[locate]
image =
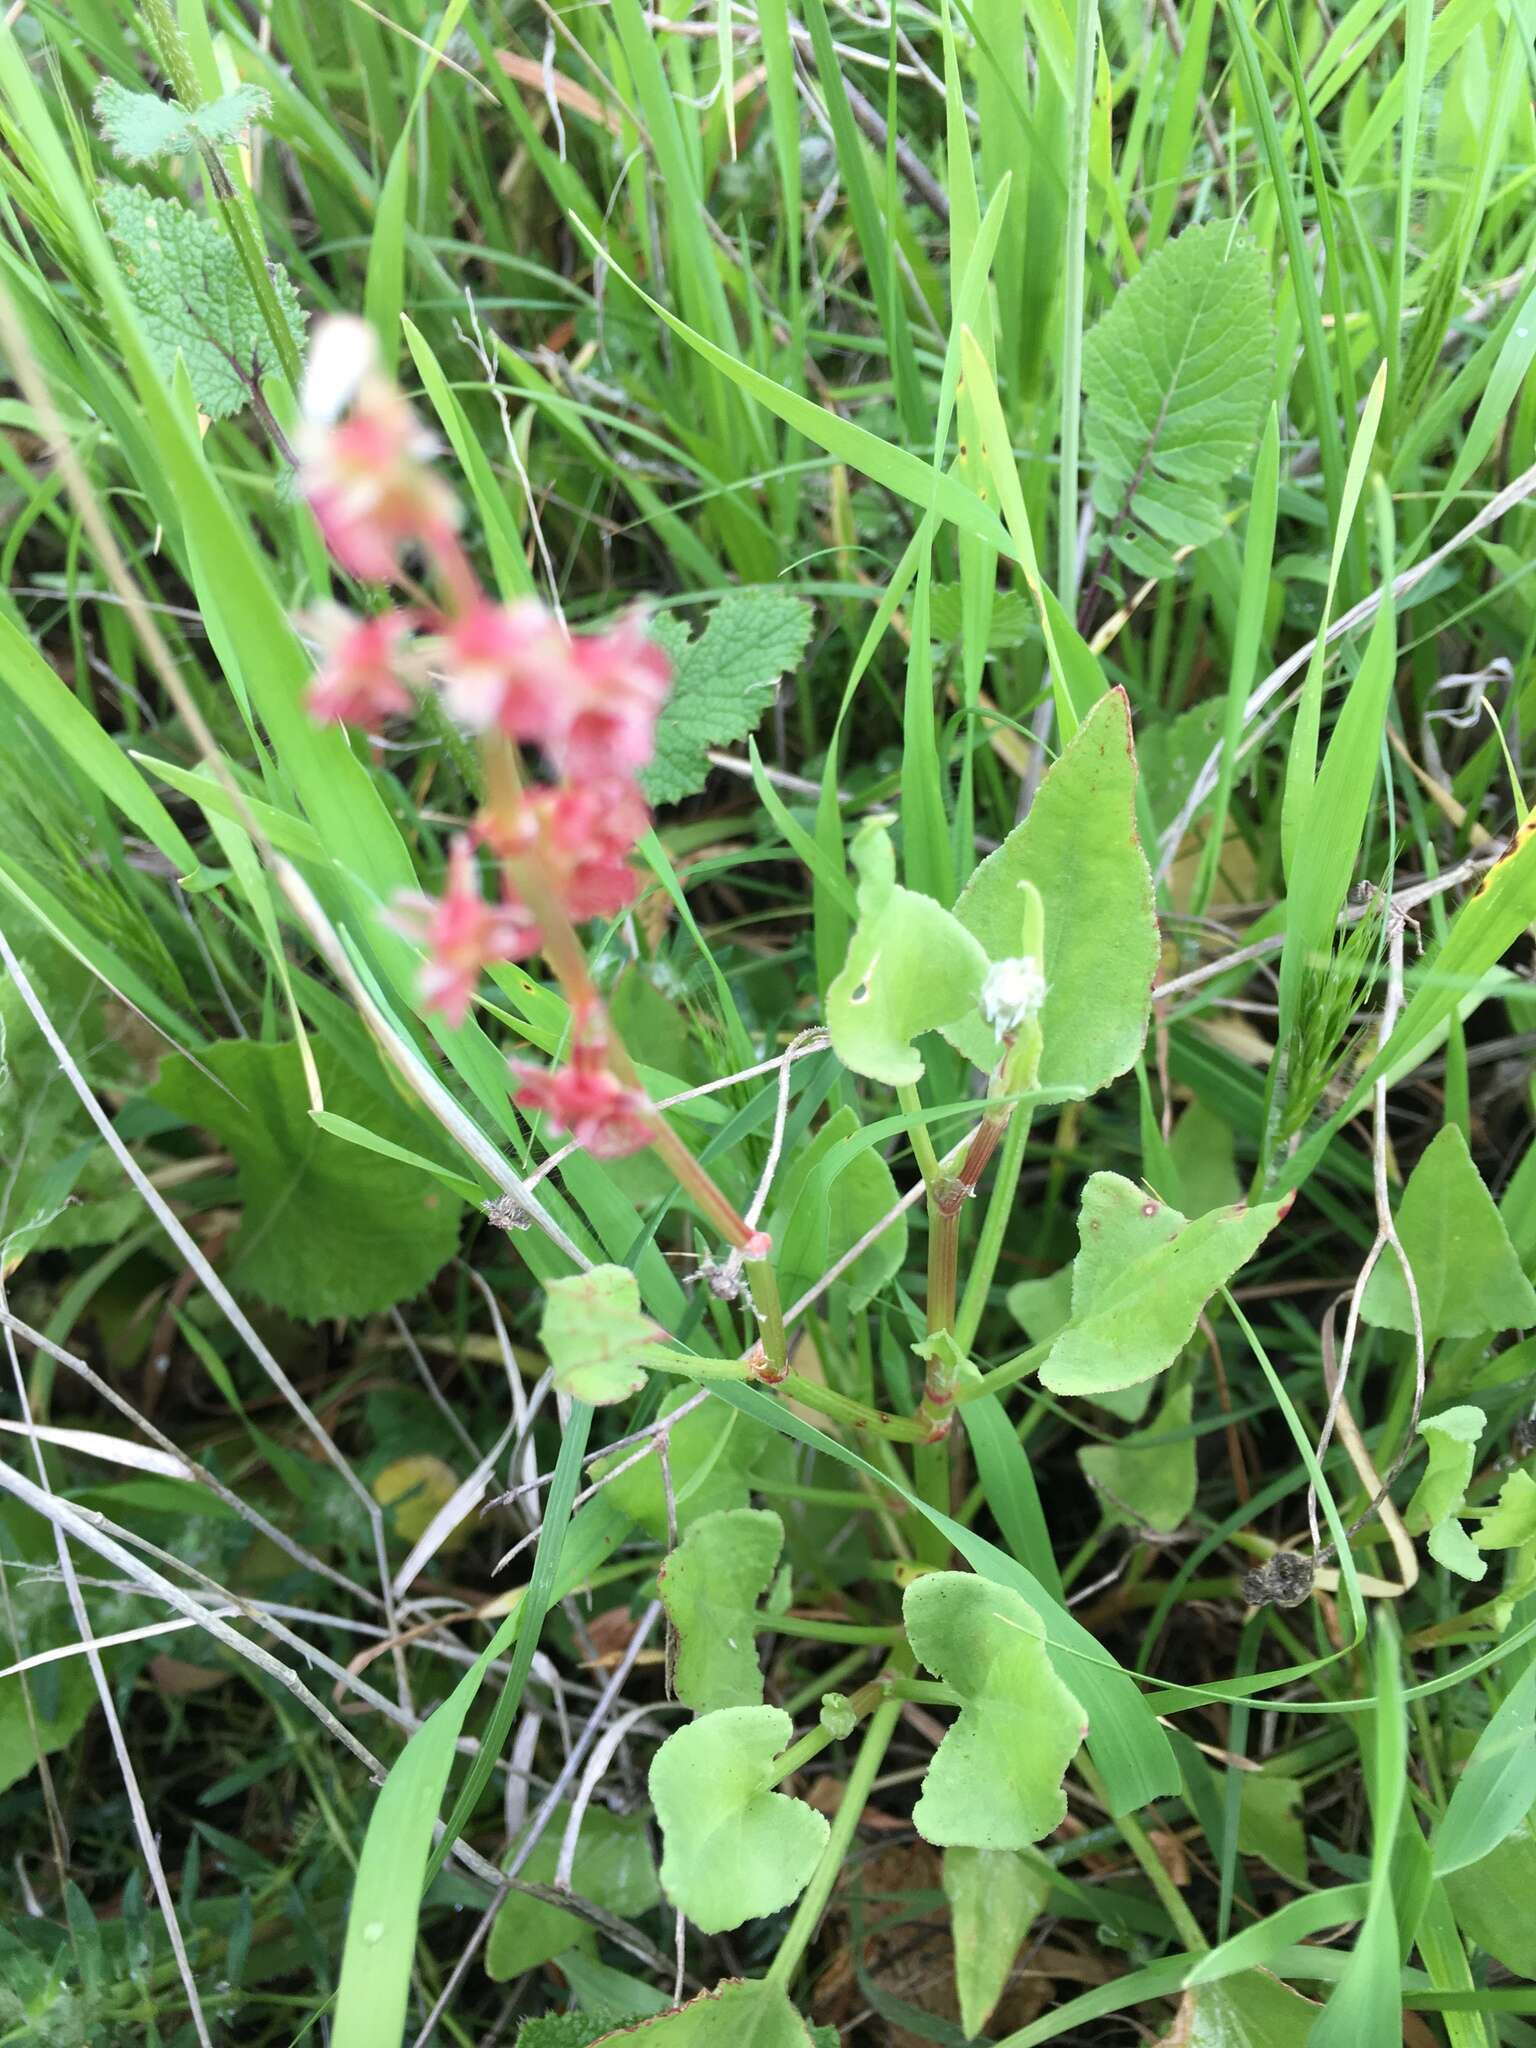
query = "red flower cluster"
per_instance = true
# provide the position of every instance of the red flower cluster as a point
(588, 702)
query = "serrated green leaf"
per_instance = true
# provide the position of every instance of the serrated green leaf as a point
(1140, 1281)
(326, 1230)
(1176, 376)
(1464, 1267)
(912, 967)
(142, 127)
(710, 1587)
(739, 2013)
(994, 1896)
(734, 1848)
(995, 1779)
(1078, 846)
(722, 683)
(1143, 1478)
(836, 1191)
(612, 1867)
(595, 1334)
(194, 297)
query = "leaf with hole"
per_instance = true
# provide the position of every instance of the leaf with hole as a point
(995, 1779)
(912, 967)
(710, 1587)
(595, 1334)
(1079, 848)
(1140, 1280)
(1464, 1266)
(734, 1849)
(1176, 376)
(325, 1229)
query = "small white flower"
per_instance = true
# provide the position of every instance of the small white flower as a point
(1012, 994)
(343, 351)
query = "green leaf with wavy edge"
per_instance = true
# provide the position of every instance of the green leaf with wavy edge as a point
(1451, 1438)
(995, 1779)
(734, 1849)
(1464, 1267)
(710, 1587)
(194, 297)
(723, 683)
(612, 1867)
(912, 967)
(1140, 1280)
(994, 1898)
(595, 1334)
(1176, 376)
(324, 1230)
(142, 128)
(1145, 1479)
(1079, 848)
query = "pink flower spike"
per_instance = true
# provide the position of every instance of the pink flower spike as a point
(581, 839)
(620, 681)
(362, 455)
(505, 668)
(462, 934)
(364, 669)
(603, 1116)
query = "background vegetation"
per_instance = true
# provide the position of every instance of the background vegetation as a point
(929, 369)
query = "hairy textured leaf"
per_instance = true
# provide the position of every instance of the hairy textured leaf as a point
(325, 1229)
(1464, 1266)
(1147, 1480)
(195, 299)
(995, 1779)
(1078, 846)
(612, 1868)
(1176, 376)
(912, 967)
(142, 127)
(595, 1334)
(734, 1849)
(994, 1896)
(1140, 1281)
(722, 683)
(710, 1587)
(837, 1190)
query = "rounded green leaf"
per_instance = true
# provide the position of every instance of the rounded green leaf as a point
(612, 1868)
(595, 1334)
(733, 1848)
(995, 1780)
(911, 967)
(710, 1587)
(1078, 846)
